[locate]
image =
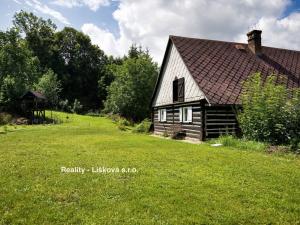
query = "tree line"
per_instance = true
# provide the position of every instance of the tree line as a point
(71, 72)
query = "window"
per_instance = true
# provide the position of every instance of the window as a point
(178, 90)
(186, 114)
(162, 115)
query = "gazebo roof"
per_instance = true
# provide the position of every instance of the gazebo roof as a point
(33, 94)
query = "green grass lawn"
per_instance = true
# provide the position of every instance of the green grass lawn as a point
(176, 182)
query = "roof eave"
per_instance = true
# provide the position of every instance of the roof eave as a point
(161, 70)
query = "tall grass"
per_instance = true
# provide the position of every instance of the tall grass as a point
(230, 141)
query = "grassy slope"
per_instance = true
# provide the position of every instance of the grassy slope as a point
(176, 183)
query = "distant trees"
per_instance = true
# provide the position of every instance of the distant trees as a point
(78, 63)
(71, 72)
(130, 93)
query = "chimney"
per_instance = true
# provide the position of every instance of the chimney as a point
(254, 41)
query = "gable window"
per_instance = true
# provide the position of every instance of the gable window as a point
(162, 115)
(186, 114)
(178, 90)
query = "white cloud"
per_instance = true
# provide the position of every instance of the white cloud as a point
(43, 8)
(106, 40)
(149, 23)
(92, 4)
(18, 2)
(283, 33)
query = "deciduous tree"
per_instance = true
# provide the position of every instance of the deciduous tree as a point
(130, 93)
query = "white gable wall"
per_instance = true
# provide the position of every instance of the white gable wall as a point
(175, 67)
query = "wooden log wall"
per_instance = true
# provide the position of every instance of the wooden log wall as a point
(208, 121)
(220, 120)
(192, 130)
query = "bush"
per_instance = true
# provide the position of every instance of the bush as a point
(142, 127)
(77, 107)
(269, 113)
(5, 118)
(124, 122)
(122, 127)
(65, 106)
(233, 142)
(295, 145)
(114, 117)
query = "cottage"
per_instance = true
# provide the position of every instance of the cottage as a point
(199, 86)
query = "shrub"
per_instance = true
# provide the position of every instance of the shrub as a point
(295, 145)
(114, 117)
(5, 118)
(65, 106)
(143, 127)
(124, 122)
(77, 107)
(269, 113)
(122, 127)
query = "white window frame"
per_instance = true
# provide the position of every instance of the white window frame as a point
(162, 115)
(186, 114)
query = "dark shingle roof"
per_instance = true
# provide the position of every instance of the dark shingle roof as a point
(220, 67)
(34, 94)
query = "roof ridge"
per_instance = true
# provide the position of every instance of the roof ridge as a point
(230, 42)
(204, 39)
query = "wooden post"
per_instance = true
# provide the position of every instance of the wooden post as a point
(203, 122)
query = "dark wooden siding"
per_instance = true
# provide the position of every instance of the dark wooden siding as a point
(220, 120)
(208, 121)
(192, 130)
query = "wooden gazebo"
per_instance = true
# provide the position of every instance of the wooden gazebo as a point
(34, 105)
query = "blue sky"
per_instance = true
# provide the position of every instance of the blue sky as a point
(115, 24)
(77, 16)
(293, 7)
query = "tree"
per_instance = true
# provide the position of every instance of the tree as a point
(108, 77)
(130, 93)
(19, 69)
(84, 65)
(39, 34)
(50, 86)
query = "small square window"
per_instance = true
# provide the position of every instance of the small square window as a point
(162, 115)
(186, 114)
